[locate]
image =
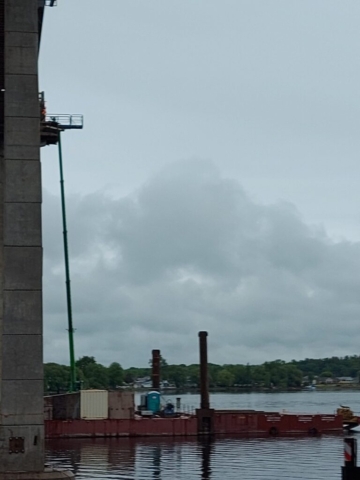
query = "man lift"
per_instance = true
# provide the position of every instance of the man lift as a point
(51, 127)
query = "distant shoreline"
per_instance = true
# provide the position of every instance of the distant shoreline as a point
(321, 387)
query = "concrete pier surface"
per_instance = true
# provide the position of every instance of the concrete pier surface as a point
(47, 474)
(21, 332)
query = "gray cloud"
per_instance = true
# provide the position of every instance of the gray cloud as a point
(270, 88)
(191, 250)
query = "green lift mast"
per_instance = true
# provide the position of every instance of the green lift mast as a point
(67, 275)
(51, 128)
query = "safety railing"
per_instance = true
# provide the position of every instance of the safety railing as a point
(66, 122)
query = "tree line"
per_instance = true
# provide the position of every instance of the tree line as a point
(276, 374)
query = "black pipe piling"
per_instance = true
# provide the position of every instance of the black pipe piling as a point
(205, 414)
(204, 380)
(350, 471)
(156, 369)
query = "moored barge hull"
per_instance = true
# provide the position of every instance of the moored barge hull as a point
(225, 422)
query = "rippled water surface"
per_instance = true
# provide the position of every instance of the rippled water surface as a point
(224, 458)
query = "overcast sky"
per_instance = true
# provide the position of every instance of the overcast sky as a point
(215, 183)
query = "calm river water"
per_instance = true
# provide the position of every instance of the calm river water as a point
(223, 459)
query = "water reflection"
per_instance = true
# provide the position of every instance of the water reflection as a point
(156, 459)
(199, 459)
(206, 447)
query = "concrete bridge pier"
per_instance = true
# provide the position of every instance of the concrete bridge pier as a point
(21, 345)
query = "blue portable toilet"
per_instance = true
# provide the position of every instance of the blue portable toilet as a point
(153, 401)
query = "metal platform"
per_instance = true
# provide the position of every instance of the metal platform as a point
(53, 125)
(66, 122)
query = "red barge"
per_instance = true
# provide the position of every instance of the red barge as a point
(226, 422)
(112, 414)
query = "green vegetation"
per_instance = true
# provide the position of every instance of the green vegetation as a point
(276, 374)
(89, 373)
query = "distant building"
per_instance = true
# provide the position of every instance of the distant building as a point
(144, 382)
(346, 380)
